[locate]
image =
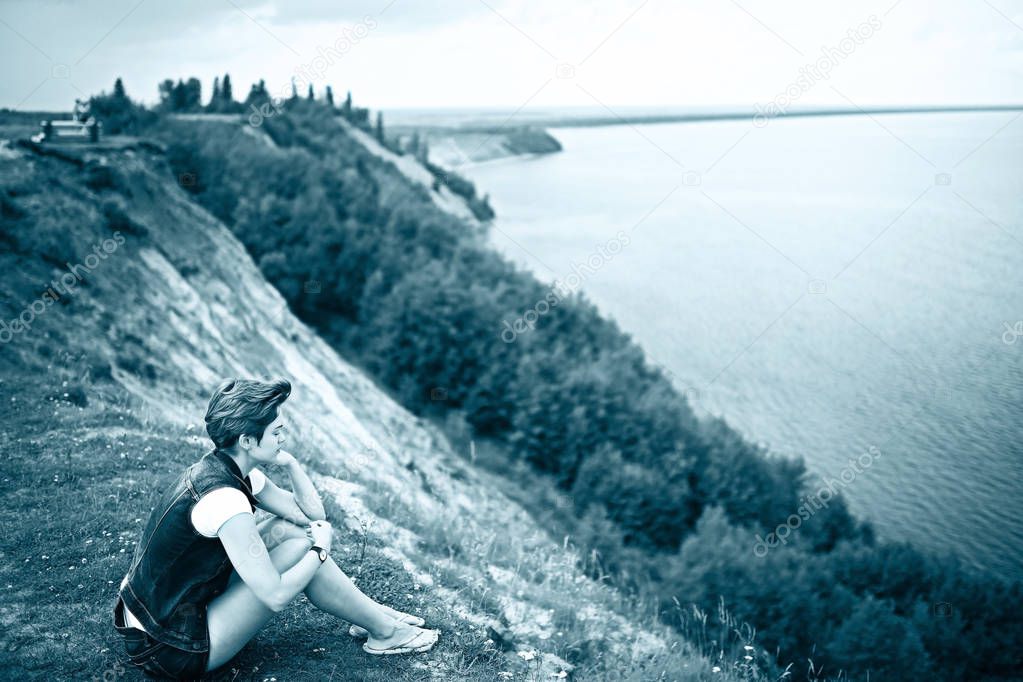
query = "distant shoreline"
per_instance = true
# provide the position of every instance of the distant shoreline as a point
(612, 119)
(468, 137)
(738, 116)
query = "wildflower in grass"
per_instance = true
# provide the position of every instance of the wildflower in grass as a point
(528, 655)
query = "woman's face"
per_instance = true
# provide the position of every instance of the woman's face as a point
(270, 444)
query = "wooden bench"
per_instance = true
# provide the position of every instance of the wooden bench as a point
(88, 131)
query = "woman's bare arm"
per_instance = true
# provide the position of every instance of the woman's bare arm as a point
(306, 496)
(250, 558)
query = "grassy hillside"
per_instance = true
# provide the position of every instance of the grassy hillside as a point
(103, 387)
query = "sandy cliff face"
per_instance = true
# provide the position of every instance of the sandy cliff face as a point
(180, 305)
(453, 146)
(414, 172)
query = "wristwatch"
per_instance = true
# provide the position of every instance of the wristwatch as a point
(320, 552)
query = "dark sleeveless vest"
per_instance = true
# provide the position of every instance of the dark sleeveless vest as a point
(175, 571)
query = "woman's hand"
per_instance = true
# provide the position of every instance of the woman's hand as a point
(322, 534)
(284, 458)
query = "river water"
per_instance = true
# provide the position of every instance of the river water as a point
(827, 285)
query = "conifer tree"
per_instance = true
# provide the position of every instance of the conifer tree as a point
(226, 93)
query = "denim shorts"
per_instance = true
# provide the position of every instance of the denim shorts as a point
(157, 659)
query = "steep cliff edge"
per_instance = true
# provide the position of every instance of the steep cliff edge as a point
(124, 303)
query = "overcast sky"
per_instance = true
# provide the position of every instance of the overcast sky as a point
(506, 53)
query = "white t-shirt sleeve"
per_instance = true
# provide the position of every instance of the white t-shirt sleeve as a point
(258, 480)
(217, 506)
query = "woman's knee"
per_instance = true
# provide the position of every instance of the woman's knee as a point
(276, 530)
(290, 552)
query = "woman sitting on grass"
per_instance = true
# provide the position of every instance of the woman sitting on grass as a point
(205, 577)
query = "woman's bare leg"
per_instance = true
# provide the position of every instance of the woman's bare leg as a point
(334, 592)
(392, 612)
(330, 589)
(236, 616)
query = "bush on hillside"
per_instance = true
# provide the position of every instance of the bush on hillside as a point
(118, 113)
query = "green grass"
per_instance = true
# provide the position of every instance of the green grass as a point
(601, 632)
(77, 481)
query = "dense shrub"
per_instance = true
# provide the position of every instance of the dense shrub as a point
(100, 177)
(118, 219)
(463, 187)
(118, 113)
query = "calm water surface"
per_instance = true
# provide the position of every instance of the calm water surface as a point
(827, 285)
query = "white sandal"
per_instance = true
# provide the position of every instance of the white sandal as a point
(421, 641)
(406, 618)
